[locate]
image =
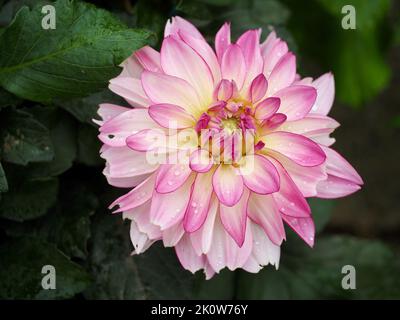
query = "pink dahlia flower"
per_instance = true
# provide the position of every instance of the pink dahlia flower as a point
(220, 148)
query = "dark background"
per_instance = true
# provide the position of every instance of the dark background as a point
(53, 205)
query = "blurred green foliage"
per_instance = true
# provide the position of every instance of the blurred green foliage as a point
(53, 197)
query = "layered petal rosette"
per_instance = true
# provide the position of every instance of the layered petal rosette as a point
(220, 148)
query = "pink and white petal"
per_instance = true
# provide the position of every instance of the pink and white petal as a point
(204, 50)
(224, 90)
(222, 40)
(325, 86)
(272, 56)
(187, 256)
(136, 197)
(234, 218)
(267, 108)
(140, 240)
(339, 167)
(305, 178)
(258, 88)
(304, 227)
(149, 59)
(249, 42)
(180, 60)
(107, 111)
(171, 116)
(264, 251)
(176, 24)
(199, 204)
(202, 238)
(296, 101)
(208, 270)
(259, 174)
(124, 182)
(309, 124)
(131, 90)
(200, 161)
(162, 88)
(307, 81)
(172, 235)
(131, 67)
(115, 131)
(335, 187)
(171, 177)
(233, 65)
(124, 162)
(168, 209)
(298, 148)
(283, 74)
(228, 184)
(289, 199)
(263, 210)
(148, 140)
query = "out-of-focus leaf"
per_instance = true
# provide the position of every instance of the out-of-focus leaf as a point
(23, 139)
(321, 211)
(63, 137)
(85, 109)
(75, 59)
(3, 180)
(28, 199)
(68, 225)
(7, 99)
(317, 273)
(89, 146)
(21, 275)
(155, 274)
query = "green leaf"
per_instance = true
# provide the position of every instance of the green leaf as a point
(63, 137)
(321, 211)
(317, 273)
(155, 274)
(89, 146)
(23, 139)
(68, 225)
(7, 99)
(3, 180)
(75, 59)
(21, 263)
(28, 199)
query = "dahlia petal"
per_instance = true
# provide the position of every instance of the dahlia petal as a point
(115, 131)
(204, 50)
(283, 74)
(267, 108)
(334, 187)
(234, 218)
(147, 140)
(269, 43)
(167, 209)
(305, 178)
(310, 124)
(304, 227)
(177, 23)
(296, 101)
(199, 203)
(233, 65)
(325, 86)
(131, 67)
(131, 90)
(171, 177)
(259, 174)
(274, 122)
(162, 88)
(140, 240)
(124, 182)
(263, 211)
(172, 235)
(228, 184)
(300, 149)
(202, 238)
(180, 60)
(149, 59)
(187, 256)
(200, 161)
(271, 57)
(107, 111)
(339, 167)
(222, 40)
(171, 116)
(258, 88)
(125, 162)
(224, 90)
(289, 199)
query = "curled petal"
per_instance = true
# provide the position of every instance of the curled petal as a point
(233, 65)
(304, 227)
(267, 108)
(171, 116)
(325, 86)
(258, 88)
